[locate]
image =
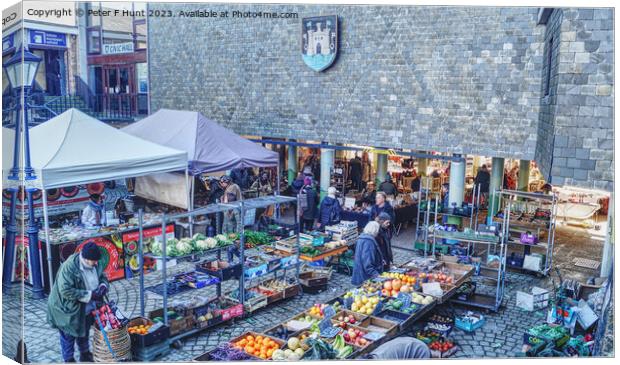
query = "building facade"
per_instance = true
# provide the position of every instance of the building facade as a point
(504, 82)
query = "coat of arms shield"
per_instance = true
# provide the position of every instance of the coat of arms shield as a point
(319, 41)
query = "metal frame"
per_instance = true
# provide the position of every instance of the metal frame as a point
(528, 197)
(242, 207)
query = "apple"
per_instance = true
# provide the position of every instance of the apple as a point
(347, 337)
(352, 320)
(340, 319)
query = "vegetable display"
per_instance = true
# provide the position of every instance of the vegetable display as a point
(226, 352)
(254, 238)
(342, 349)
(320, 350)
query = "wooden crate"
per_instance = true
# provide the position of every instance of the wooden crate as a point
(280, 342)
(374, 324)
(183, 324)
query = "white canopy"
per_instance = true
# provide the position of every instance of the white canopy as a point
(75, 148)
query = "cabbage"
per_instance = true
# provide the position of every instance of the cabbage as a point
(221, 237)
(293, 343)
(199, 236)
(156, 248)
(184, 246)
(171, 247)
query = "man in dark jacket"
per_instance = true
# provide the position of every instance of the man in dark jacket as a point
(483, 178)
(80, 284)
(384, 238)
(388, 186)
(298, 183)
(329, 212)
(355, 172)
(368, 261)
(309, 211)
(381, 205)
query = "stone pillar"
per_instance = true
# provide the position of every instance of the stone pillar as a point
(381, 168)
(422, 166)
(497, 179)
(456, 189)
(475, 165)
(327, 162)
(524, 175)
(292, 163)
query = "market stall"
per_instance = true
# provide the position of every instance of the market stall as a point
(64, 152)
(210, 147)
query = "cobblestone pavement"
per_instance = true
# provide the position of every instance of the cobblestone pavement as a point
(500, 337)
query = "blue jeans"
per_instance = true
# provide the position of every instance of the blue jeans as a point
(67, 345)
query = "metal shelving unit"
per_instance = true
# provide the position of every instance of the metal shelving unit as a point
(242, 207)
(513, 199)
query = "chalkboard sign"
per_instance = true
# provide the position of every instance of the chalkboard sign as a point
(327, 329)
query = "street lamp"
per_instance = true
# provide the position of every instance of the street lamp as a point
(21, 70)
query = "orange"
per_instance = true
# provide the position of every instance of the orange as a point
(259, 338)
(243, 342)
(270, 352)
(250, 338)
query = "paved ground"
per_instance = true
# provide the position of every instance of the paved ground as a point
(500, 337)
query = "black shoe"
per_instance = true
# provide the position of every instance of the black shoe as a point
(70, 360)
(86, 357)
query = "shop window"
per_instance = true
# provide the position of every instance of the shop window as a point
(94, 40)
(549, 65)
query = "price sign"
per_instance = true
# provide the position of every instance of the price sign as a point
(329, 312)
(327, 329)
(405, 299)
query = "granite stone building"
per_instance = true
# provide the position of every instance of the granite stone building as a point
(524, 83)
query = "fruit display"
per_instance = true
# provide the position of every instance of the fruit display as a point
(226, 352)
(259, 346)
(142, 329)
(427, 336)
(392, 287)
(343, 350)
(404, 278)
(355, 336)
(421, 299)
(441, 347)
(436, 277)
(318, 309)
(345, 318)
(310, 251)
(364, 304)
(397, 305)
(440, 323)
(371, 287)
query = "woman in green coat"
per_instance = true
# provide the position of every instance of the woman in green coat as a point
(80, 284)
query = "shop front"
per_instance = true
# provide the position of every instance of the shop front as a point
(52, 48)
(119, 79)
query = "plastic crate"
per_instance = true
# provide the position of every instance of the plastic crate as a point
(468, 325)
(230, 272)
(151, 338)
(257, 271)
(537, 299)
(180, 325)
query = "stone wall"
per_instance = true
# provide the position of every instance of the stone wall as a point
(451, 79)
(464, 80)
(583, 123)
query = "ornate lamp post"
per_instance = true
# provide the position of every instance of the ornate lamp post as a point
(21, 70)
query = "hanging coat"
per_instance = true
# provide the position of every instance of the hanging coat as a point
(64, 311)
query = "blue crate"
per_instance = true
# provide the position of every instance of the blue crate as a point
(468, 325)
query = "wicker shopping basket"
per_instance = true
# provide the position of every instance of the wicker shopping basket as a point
(119, 342)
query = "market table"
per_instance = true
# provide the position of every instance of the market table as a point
(120, 244)
(361, 218)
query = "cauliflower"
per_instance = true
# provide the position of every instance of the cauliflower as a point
(221, 237)
(202, 245)
(184, 246)
(211, 242)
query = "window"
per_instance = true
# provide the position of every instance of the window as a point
(94, 40)
(549, 66)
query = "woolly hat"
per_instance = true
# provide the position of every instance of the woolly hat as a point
(90, 251)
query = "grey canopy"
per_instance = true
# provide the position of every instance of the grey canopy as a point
(210, 147)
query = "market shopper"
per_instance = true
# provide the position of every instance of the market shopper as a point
(369, 193)
(355, 172)
(298, 183)
(384, 239)
(80, 284)
(381, 205)
(366, 169)
(262, 186)
(329, 211)
(309, 199)
(368, 260)
(230, 188)
(401, 348)
(388, 187)
(483, 179)
(92, 214)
